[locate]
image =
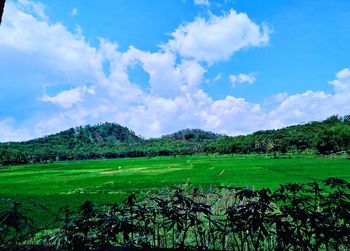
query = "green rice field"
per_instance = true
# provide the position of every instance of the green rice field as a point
(107, 181)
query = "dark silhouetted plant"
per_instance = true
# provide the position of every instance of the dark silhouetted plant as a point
(308, 216)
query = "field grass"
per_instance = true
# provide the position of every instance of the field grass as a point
(106, 181)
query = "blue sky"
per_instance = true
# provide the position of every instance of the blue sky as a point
(233, 66)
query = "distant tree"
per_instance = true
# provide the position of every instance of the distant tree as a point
(334, 139)
(264, 145)
(346, 119)
(333, 119)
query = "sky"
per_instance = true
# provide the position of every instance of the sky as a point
(155, 66)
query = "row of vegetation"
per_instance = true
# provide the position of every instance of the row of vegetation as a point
(294, 217)
(114, 141)
(327, 137)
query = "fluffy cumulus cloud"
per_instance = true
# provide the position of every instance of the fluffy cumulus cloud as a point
(242, 79)
(167, 79)
(342, 83)
(68, 98)
(218, 38)
(49, 55)
(313, 105)
(10, 132)
(48, 49)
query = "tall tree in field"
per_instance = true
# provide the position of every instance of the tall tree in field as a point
(2, 6)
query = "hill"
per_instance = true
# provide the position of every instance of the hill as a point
(110, 140)
(325, 137)
(106, 133)
(193, 135)
(84, 142)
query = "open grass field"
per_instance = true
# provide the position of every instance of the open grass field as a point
(71, 183)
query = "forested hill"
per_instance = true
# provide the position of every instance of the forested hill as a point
(326, 137)
(194, 135)
(111, 140)
(100, 134)
(84, 142)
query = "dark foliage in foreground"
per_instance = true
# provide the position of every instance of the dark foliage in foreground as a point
(114, 141)
(2, 6)
(294, 217)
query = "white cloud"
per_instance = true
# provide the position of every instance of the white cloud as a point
(35, 8)
(217, 77)
(202, 2)
(74, 12)
(10, 132)
(342, 83)
(218, 38)
(274, 100)
(302, 106)
(233, 116)
(56, 53)
(242, 79)
(314, 105)
(167, 78)
(67, 98)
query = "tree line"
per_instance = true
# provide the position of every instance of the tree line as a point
(109, 140)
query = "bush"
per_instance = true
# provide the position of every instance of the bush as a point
(293, 217)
